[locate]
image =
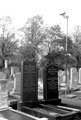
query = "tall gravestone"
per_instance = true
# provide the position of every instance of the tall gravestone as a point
(51, 83)
(29, 81)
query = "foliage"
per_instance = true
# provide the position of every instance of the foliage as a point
(33, 34)
(77, 35)
(33, 30)
(49, 42)
(27, 52)
(9, 47)
(77, 45)
(8, 44)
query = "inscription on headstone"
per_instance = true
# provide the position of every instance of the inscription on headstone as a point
(29, 81)
(51, 82)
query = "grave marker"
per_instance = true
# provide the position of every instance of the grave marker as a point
(17, 83)
(62, 77)
(74, 77)
(50, 82)
(3, 94)
(79, 75)
(29, 81)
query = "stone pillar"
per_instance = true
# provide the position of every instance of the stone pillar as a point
(71, 77)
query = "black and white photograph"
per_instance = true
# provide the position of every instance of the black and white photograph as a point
(40, 60)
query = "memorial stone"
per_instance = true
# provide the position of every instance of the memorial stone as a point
(29, 81)
(80, 75)
(50, 82)
(74, 77)
(3, 94)
(61, 77)
(17, 84)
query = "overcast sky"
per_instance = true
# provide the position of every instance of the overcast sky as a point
(20, 10)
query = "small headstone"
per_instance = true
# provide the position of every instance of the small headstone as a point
(74, 77)
(3, 94)
(51, 82)
(80, 75)
(11, 86)
(17, 83)
(62, 77)
(29, 81)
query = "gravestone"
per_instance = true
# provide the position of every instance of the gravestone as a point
(51, 83)
(3, 94)
(11, 86)
(80, 75)
(16, 84)
(29, 81)
(74, 80)
(62, 77)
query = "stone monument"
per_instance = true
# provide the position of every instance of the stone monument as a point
(51, 83)
(29, 81)
(3, 94)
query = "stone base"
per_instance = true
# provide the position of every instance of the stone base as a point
(51, 112)
(31, 104)
(52, 101)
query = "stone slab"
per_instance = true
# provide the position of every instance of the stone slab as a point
(71, 96)
(72, 102)
(11, 114)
